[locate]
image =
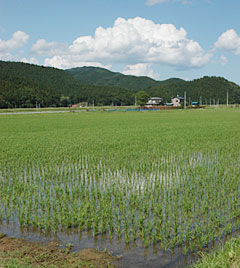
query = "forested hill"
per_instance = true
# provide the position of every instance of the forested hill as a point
(56, 79)
(207, 89)
(103, 77)
(24, 85)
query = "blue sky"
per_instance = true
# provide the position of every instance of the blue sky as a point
(158, 38)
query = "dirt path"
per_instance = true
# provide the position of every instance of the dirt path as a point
(23, 254)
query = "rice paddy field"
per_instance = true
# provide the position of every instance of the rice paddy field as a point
(154, 187)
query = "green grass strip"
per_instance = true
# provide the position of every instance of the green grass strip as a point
(226, 257)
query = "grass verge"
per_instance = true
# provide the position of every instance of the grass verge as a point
(226, 257)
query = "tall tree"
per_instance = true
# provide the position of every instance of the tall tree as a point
(142, 97)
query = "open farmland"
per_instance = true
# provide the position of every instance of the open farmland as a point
(160, 180)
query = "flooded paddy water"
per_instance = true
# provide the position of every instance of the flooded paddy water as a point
(138, 194)
(132, 255)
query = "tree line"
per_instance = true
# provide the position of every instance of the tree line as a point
(25, 85)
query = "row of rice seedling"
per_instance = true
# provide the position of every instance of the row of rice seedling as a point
(129, 183)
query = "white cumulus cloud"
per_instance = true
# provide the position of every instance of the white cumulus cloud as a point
(67, 62)
(140, 69)
(229, 41)
(31, 60)
(42, 47)
(223, 59)
(154, 2)
(18, 40)
(129, 41)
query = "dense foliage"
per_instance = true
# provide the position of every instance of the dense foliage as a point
(25, 93)
(141, 97)
(25, 85)
(208, 90)
(104, 77)
(22, 85)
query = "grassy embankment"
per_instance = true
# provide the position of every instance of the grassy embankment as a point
(228, 256)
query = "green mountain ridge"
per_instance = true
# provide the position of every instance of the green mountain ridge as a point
(100, 76)
(24, 85)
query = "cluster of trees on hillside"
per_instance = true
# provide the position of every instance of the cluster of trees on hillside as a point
(104, 95)
(103, 77)
(208, 89)
(25, 85)
(25, 93)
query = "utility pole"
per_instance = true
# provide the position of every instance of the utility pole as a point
(93, 105)
(185, 101)
(200, 100)
(135, 101)
(227, 98)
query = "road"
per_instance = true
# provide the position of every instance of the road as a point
(42, 112)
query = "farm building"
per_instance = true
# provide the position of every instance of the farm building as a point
(177, 101)
(154, 101)
(80, 104)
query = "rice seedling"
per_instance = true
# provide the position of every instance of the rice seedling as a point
(164, 178)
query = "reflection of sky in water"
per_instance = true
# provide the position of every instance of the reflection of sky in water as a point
(134, 255)
(168, 171)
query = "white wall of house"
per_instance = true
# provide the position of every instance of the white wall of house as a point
(154, 101)
(176, 102)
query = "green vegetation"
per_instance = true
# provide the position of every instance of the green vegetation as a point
(167, 179)
(206, 88)
(25, 85)
(210, 90)
(226, 257)
(142, 97)
(103, 77)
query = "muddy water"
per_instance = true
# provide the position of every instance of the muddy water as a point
(134, 255)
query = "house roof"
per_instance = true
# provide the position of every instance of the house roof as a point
(180, 98)
(155, 98)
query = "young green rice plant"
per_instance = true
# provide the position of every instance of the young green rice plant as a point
(123, 179)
